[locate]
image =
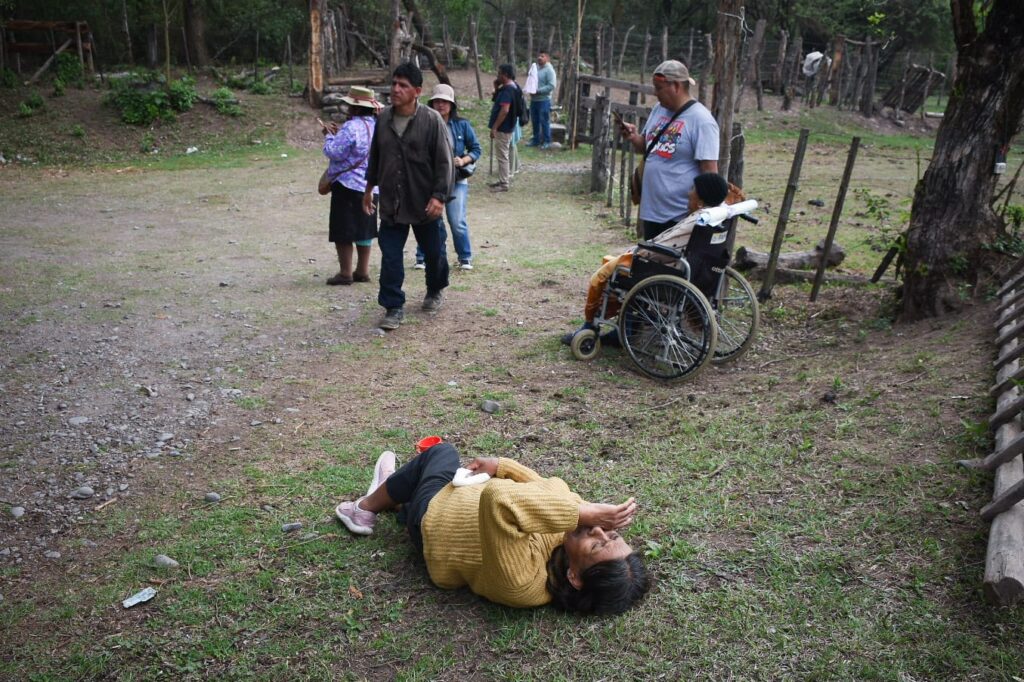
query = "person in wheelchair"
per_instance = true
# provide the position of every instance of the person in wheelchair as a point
(709, 190)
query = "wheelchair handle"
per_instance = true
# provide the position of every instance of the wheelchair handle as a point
(660, 248)
(749, 218)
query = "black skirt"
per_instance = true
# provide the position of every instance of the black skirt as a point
(348, 222)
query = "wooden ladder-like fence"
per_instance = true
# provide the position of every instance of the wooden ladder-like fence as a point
(1004, 560)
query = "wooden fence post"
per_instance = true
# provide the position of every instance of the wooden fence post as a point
(836, 212)
(780, 227)
(898, 112)
(927, 86)
(780, 63)
(643, 63)
(512, 42)
(476, 57)
(599, 145)
(664, 43)
(622, 51)
(838, 53)
(791, 65)
(316, 56)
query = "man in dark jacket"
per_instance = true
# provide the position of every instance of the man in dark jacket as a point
(411, 162)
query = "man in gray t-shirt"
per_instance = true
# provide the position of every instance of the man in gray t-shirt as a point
(686, 148)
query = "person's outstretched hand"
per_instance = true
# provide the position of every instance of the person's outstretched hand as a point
(484, 465)
(607, 516)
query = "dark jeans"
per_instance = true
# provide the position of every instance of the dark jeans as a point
(652, 230)
(415, 484)
(392, 237)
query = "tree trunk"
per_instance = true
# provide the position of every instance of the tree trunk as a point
(315, 89)
(195, 29)
(951, 218)
(126, 31)
(417, 21)
(724, 68)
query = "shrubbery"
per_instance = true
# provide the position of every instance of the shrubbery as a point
(68, 70)
(141, 103)
(225, 102)
(8, 79)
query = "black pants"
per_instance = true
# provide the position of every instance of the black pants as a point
(652, 230)
(415, 484)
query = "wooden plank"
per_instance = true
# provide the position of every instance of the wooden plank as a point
(1013, 283)
(1009, 382)
(1010, 333)
(1009, 316)
(836, 213)
(997, 458)
(1006, 413)
(58, 26)
(47, 63)
(1009, 498)
(1008, 356)
(1014, 299)
(617, 83)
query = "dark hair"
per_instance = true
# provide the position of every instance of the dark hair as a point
(361, 111)
(609, 587)
(453, 113)
(409, 72)
(508, 70)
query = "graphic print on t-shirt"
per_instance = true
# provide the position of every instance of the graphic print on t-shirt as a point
(666, 145)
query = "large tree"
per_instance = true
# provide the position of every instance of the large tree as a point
(951, 218)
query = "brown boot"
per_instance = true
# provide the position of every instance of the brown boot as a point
(344, 275)
(362, 264)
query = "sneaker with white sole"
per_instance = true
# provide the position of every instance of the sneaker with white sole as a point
(357, 520)
(420, 265)
(385, 467)
(465, 265)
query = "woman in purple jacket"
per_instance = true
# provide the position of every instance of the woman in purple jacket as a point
(348, 148)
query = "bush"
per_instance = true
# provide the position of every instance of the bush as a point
(182, 93)
(8, 79)
(225, 102)
(77, 131)
(69, 70)
(24, 110)
(259, 88)
(141, 104)
(35, 101)
(58, 87)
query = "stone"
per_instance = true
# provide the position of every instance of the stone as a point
(211, 497)
(165, 436)
(490, 406)
(17, 512)
(52, 554)
(164, 561)
(82, 493)
(78, 421)
(291, 527)
(139, 597)
(816, 202)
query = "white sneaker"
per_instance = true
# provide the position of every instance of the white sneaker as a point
(465, 265)
(384, 468)
(419, 266)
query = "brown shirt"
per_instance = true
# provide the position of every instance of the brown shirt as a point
(411, 167)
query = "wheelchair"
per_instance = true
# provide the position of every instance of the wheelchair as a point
(666, 324)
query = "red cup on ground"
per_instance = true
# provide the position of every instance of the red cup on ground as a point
(427, 443)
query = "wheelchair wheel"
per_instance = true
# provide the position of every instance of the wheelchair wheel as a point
(738, 317)
(667, 327)
(585, 344)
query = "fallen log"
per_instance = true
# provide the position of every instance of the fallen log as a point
(788, 276)
(215, 102)
(747, 258)
(376, 78)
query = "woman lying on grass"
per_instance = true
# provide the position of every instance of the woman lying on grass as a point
(518, 539)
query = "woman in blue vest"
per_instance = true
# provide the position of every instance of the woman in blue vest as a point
(467, 150)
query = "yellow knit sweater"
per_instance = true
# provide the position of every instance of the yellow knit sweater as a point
(497, 537)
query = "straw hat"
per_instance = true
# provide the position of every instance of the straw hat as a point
(359, 96)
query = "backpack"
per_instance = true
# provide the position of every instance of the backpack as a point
(522, 111)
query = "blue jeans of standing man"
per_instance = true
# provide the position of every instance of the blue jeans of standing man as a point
(540, 119)
(456, 212)
(391, 238)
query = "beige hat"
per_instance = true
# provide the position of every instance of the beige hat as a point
(442, 91)
(676, 71)
(358, 96)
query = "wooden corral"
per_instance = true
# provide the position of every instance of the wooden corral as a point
(46, 38)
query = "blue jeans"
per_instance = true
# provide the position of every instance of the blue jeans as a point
(391, 238)
(456, 213)
(540, 120)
